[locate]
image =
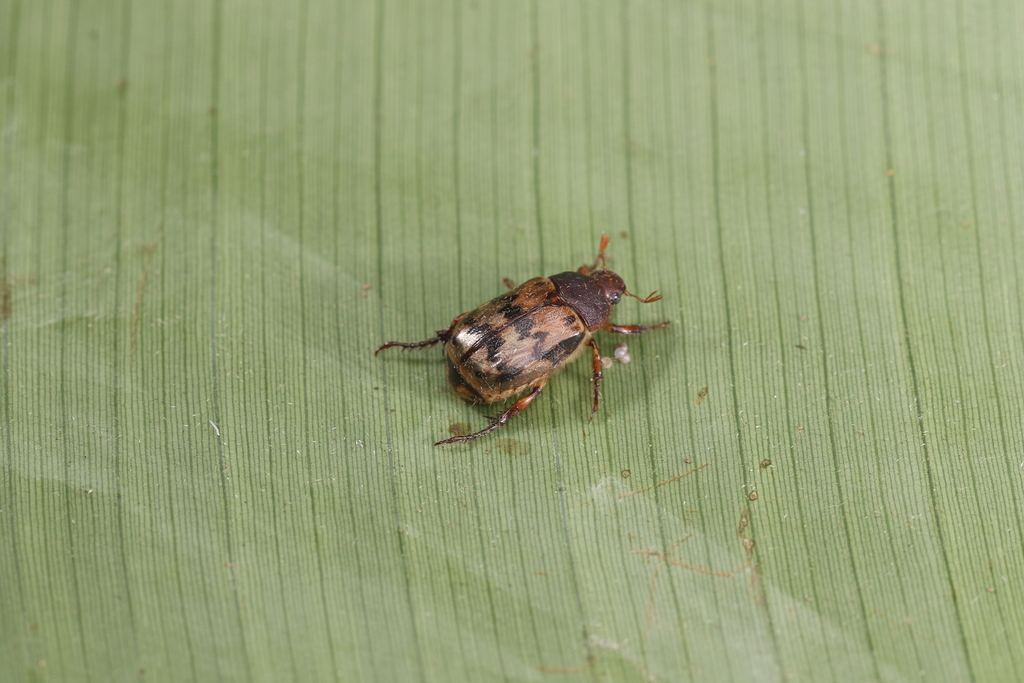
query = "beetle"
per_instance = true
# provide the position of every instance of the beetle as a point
(513, 343)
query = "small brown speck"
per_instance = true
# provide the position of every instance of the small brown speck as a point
(458, 428)
(122, 84)
(513, 447)
(802, 318)
(687, 461)
(5, 300)
(765, 464)
(801, 347)
(891, 172)
(752, 495)
(701, 395)
(624, 235)
(625, 473)
(991, 589)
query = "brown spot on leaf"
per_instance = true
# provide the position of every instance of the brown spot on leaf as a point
(459, 428)
(701, 395)
(744, 521)
(558, 669)
(147, 250)
(514, 447)
(5, 301)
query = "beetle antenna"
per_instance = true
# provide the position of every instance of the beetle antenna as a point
(650, 299)
(600, 260)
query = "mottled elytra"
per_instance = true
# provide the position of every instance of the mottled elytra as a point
(513, 343)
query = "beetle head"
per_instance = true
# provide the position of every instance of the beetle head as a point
(612, 285)
(610, 282)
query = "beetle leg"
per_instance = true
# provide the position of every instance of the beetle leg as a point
(508, 283)
(631, 329)
(442, 336)
(499, 421)
(596, 379)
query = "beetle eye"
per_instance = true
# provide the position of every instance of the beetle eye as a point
(614, 298)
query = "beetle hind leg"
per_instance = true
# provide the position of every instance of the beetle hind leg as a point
(500, 420)
(596, 379)
(442, 336)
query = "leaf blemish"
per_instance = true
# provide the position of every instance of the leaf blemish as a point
(459, 428)
(514, 447)
(662, 483)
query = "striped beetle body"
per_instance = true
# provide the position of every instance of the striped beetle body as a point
(513, 343)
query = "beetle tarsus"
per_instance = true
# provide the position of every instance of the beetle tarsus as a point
(499, 421)
(632, 329)
(596, 379)
(410, 345)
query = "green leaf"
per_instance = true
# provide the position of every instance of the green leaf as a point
(213, 212)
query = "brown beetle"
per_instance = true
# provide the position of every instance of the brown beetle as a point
(513, 343)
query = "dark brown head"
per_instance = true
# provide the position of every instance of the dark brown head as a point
(612, 285)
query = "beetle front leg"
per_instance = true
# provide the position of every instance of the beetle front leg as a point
(596, 379)
(442, 336)
(499, 421)
(632, 329)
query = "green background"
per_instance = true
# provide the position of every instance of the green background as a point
(213, 212)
